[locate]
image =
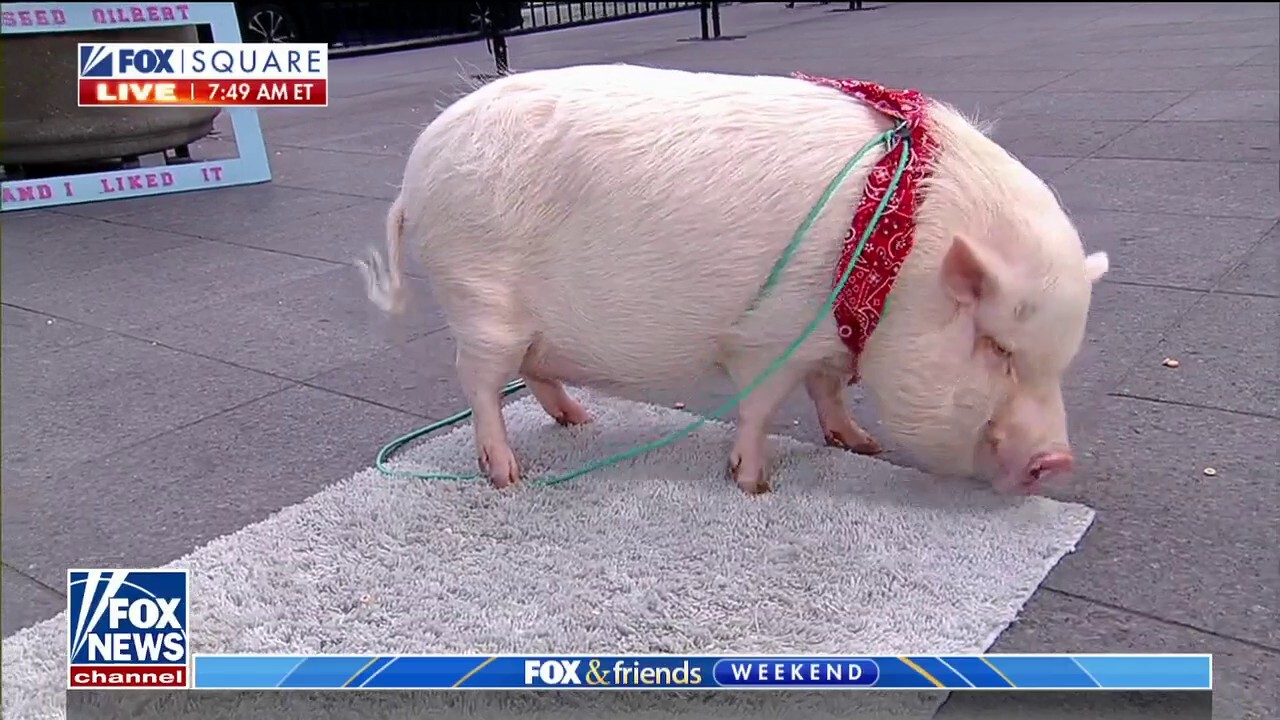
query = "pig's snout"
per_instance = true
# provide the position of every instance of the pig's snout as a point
(1028, 439)
(1030, 475)
(1047, 466)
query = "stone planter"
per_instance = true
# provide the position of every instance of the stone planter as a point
(41, 124)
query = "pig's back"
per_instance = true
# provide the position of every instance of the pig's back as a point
(634, 213)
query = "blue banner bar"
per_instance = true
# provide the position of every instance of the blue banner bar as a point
(704, 672)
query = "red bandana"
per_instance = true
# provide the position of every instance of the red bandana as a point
(861, 302)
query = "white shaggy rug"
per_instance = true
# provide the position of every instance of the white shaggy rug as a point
(848, 555)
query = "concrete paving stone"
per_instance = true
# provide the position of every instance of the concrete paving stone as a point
(1214, 41)
(1170, 541)
(373, 176)
(291, 208)
(272, 118)
(1062, 138)
(1228, 356)
(1063, 62)
(1096, 39)
(1172, 18)
(1222, 189)
(61, 245)
(1143, 59)
(1260, 273)
(1226, 105)
(1242, 11)
(876, 41)
(322, 170)
(415, 102)
(26, 602)
(43, 222)
(1135, 80)
(416, 377)
(381, 134)
(130, 295)
(1243, 675)
(1087, 42)
(1118, 20)
(1241, 24)
(1268, 57)
(352, 174)
(981, 50)
(1258, 38)
(1235, 141)
(29, 333)
(1207, 23)
(1090, 105)
(211, 213)
(1047, 167)
(1125, 323)
(342, 234)
(769, 66)
(96, 397)
(1250, 77)
(356, 90)
(422, 87)
(162, 499)
(404, 63)
(299, 329)
(970, 80)
(1179, 250)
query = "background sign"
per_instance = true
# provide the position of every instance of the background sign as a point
(250, 166)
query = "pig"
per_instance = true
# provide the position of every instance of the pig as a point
(608, 225)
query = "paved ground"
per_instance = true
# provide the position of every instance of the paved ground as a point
(177, 368)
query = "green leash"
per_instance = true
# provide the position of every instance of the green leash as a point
(887, 138)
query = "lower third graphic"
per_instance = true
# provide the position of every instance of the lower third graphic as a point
(127, 629)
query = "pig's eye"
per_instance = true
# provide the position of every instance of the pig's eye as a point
(997, 348)
(1003, 355)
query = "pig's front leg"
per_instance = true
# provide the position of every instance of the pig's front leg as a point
(749, 460)
(826, 389)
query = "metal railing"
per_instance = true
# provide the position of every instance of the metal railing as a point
(552, 15)
(356, 28)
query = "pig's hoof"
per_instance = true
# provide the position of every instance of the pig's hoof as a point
(572, 414)
(751, 483)
(862, 444)
(500, 467)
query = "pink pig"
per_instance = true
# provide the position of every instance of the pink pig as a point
(611, 226)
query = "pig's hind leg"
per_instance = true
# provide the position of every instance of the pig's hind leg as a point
(492, 342)
(540, 377)
(825, 389)
(553, 398)
(482, 376)
(748, 462)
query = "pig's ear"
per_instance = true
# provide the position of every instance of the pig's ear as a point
(1096, 265)
(968, 272)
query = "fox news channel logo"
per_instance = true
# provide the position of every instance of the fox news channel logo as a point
(127, 628)
(203, 74)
